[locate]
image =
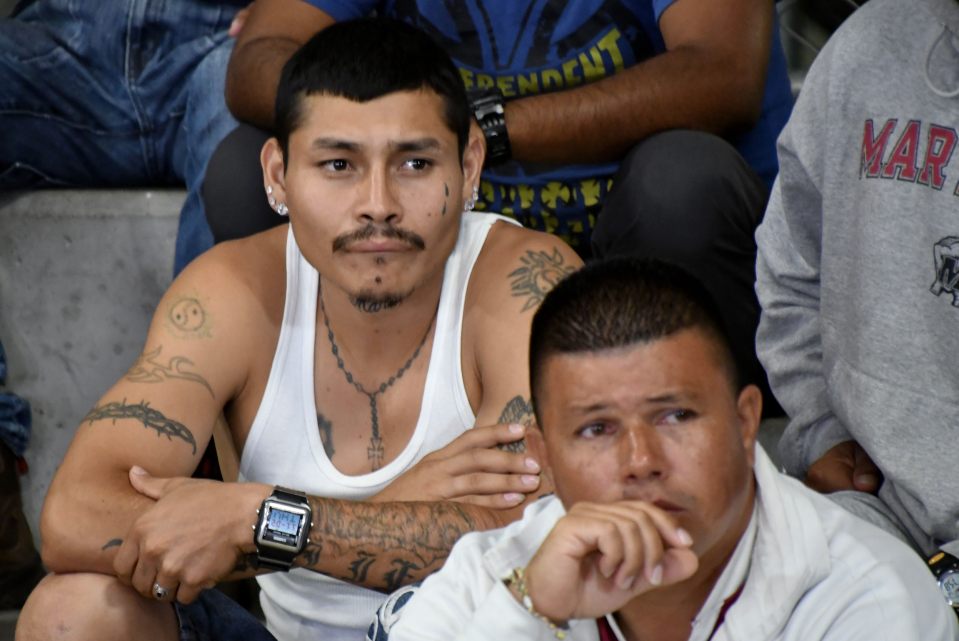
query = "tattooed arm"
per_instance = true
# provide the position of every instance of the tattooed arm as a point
(384, 546)
(512, 275)
(159, 416)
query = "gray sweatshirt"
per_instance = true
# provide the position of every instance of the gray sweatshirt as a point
(858, 265)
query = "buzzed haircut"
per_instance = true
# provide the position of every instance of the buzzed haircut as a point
(623, 302)
(362, 60)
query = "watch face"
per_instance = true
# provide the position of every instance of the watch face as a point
(283, 527)
(949, 584)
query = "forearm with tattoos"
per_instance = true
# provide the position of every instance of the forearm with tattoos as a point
(383, 546)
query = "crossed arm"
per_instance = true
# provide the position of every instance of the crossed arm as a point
(104, 512)
(711, 78)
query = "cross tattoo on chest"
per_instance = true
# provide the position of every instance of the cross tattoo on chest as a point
(376, 452)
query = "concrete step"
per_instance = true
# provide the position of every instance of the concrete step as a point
(81, 272)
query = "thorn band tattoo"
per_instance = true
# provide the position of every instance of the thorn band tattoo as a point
(375, 452)
(518, 410)
(539, 274)
(148, 370)
(145, 414)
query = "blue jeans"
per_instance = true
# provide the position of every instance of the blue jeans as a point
(116, 93)
(215, 617)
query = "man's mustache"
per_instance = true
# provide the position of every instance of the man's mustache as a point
(343, 241)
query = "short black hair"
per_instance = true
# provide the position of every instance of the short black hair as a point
(623, 302)
(362, 60)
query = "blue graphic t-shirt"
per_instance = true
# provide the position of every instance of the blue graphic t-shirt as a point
(529, 47)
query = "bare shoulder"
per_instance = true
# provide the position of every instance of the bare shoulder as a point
(517, 267)
(242, 280)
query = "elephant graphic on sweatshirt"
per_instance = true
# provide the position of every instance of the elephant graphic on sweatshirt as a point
(946, 254)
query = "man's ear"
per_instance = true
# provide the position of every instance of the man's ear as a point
(274, 171)
(536, 446)
(473, 157)
(749, 406)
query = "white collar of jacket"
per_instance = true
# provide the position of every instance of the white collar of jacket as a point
(783, 554)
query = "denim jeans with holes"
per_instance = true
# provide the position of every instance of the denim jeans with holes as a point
(116, 93)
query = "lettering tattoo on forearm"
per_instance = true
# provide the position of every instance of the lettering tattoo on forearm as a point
(540, 273)
(518, 410)
(112, 543)
(383, 545)
(148, 370)
(326, 434)
(187, 318)
(142, 412)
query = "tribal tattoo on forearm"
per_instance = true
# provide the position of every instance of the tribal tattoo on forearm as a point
(142, 412)
(383, 546)
(518, 410)
(539, 274)
(148, 370)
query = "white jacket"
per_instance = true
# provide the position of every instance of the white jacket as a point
(811, 569)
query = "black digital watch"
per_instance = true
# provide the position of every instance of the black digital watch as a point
(282, 529)
(945, 567)
(487, 107)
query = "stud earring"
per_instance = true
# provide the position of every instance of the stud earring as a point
(269, 189)
(282, 209)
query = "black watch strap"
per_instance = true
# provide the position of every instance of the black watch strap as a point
(487, 107)
(272, 558)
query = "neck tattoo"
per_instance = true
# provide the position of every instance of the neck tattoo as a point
(375, 452)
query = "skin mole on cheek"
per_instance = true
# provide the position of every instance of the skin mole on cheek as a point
(378, 280)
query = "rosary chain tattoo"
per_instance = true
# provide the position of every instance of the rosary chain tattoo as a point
(145, 414)
(375, 452)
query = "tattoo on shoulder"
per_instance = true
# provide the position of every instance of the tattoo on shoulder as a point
(326, 434)
(148, 369)
(188, 318)
(113, 543)
(518, 410)
(541, 271)
(142, 412)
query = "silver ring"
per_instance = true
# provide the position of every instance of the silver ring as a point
(160, 593)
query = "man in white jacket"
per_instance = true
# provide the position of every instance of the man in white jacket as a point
(668, 521)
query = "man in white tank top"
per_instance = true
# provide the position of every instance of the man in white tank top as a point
(352, 357)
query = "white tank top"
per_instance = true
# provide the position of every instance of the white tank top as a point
(284, 446)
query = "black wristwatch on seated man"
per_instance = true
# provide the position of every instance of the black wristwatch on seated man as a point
(945, 567)
(282, 529)
(487, 107)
